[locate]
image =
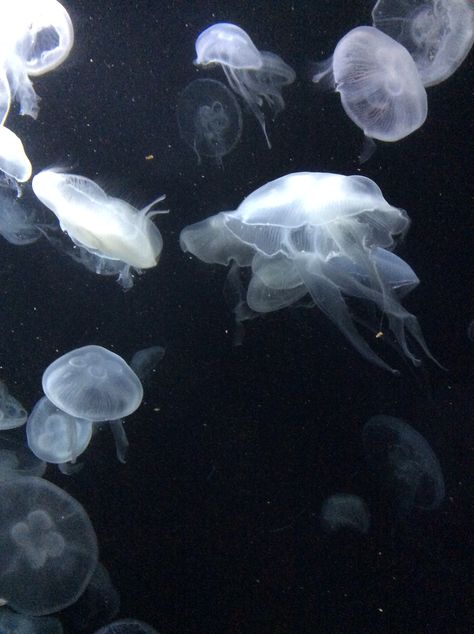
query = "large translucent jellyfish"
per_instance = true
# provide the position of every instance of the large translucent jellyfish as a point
(107, 227)
(404, 463)
(379, 84)
(12, 412)
(48, 547)
(127, 626)
(345, 511)
(93, 383)
(13, 159)
(324, 234)
(257, 76)
(209, 119)
(16, 460)
(438, 34)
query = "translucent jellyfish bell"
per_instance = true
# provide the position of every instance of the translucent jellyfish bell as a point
(93, 383)
(12, 412)
(345, 511)
(48, 548)
(438, 34)
(16, 460)
(323, 234)
(229, 45)
(13, 159)
(105, 226)
(381, 90)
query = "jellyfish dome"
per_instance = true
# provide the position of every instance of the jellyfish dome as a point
(381, 90)
(324, 234)
(344, 511)
(48, 548)
(438, 34)
(12, 412)
(93, 383)
(103, 225)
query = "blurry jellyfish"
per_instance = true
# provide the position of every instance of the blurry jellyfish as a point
(144, 361)
(5, 96)
(470, 331)
(13, 623)
(48, 547)
(345, 511)
(127, 626)
(12, 412)
(324, 234)
(13, 159)
(404, 463)
(120, 438)
(379, 84)
(438, 34)
(209, 118)
(93, 383)
(256, 76)
(18, 224)
(17, 460)
(55, 436)
(107, 227)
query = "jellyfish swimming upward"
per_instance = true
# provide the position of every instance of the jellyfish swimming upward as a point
(328, 235)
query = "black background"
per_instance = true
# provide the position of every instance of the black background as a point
(212, 525)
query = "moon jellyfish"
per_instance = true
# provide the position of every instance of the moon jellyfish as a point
(17, 460)
(48, 547)
(13, 623)
(105, 226)
(55, 436)
(13, 159)
(324, 234)
(438, 34)
(209, 119)
(12, 412)
(144, 362)
(379, 84)
(93, 383)
(345, 511)
(257, 76)
(127, 626)
(404, 463)
(18, 222)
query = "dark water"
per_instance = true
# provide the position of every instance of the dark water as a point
(212, 525)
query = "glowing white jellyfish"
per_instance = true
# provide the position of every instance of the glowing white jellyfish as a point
(13, 159)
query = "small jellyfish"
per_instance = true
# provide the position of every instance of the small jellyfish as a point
(379, 84)
(256, 76)
(127, 626)
(93, 383)
(144, 361)
(48, 547)
(209, 119)
(324, 234)
(438, 34)
(13, 159)
(12, 412)
(404, 463)
(106, 227)
(16, 460)
(343, 511)
(18, 223)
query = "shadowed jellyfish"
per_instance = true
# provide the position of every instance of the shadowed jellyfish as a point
(13, 623)
(127, 626)
(18, 223)
(93, 383)
(323, 234)
(257, 76)
(12, 412)
(344, 511)
(48, 548)
(209, 118)
(405, 464)
(438, 34)
(107, 227)
(144, 362)
(16, 460)
(379, 84)
(13, 159)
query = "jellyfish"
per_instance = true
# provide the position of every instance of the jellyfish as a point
(13, 159)
(438, 34)
(345, 511)
(12, 412)
(16, 460)
(55, 436)
(93, 383)
(379, 84)
(127, 626)
(328, 235)
(48, 547)
(256, 76)
(18, 223)
(5, 96)
(106, 227)
(13, 623)
(144, 362)
(209, 119)
(405, 464)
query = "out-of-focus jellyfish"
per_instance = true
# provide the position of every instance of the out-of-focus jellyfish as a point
(438, 34)
(55, 436)
(127, 626)
(13, 159)
(405, 464)
(13, 623)
(48, 547)
(12, 412)
(18, 223)
(5, 96)
(107, 227)
(209, 119)
(257, 76)
(93, 383)
(470, 331)
(345, 511)
(379, 84)
(144, 361)
(16, 460)
(324, 234)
